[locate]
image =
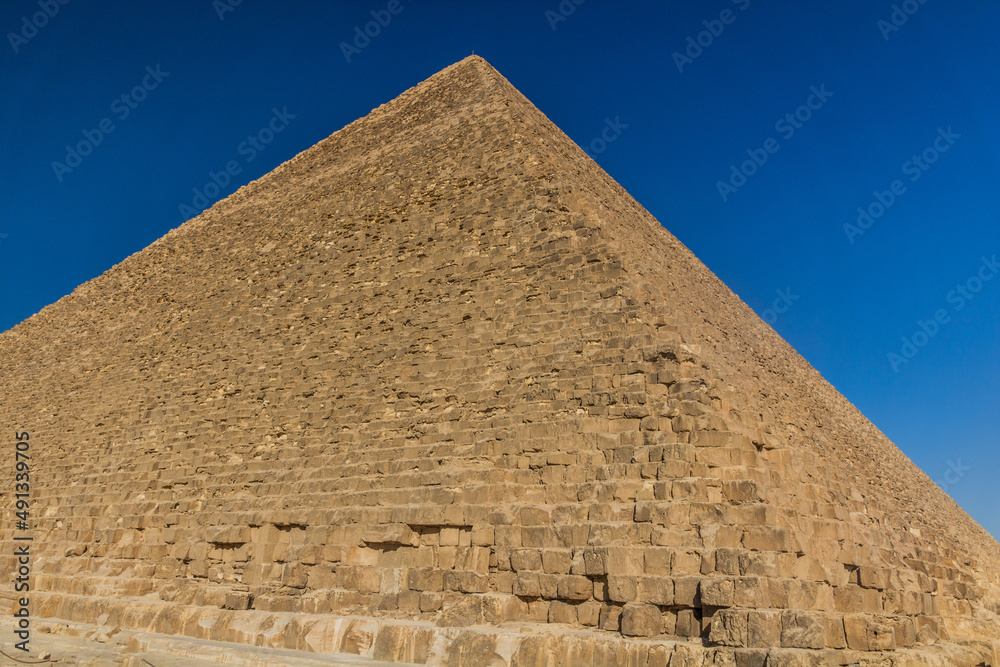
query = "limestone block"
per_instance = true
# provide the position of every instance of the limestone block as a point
(574, 587)
(641, 620)
(393, 533)
(717, 592)
(763, 628)
(431, 601)
(464, 611)
(881, 637)
(622, 588)
(727, 561)
(687, 656)
(801, 629)
(358, 638)
(655, 590)
(398, 643)
(482, 535)
(595, 562)
(753, 592)
(905, 631)
(729, 628)
(556, 562)
(767, 538)
(657, 561)
(588, 613)
(548, 584)
(610, 618)
(526, 585)
(742, 491)
(866, 633)
(562, 612)
(686, 591)
(425, 579)
(526, 560)
(238, 601)
(689, 623)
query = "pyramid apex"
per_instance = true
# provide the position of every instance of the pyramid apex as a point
(471, 64)
(474, 60)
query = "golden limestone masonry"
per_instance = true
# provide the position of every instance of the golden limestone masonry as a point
(439, 391)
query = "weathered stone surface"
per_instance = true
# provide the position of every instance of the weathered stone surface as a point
(641, 620)
(763, 628)
(440, 370)
(717, 592)
(729, 628)
(800, 629)
(474, 649)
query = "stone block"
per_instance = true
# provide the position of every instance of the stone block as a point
(595, 562)
(717, 592)
(393, 533)
(461, 612)
(836, 636)
(526, 584)
(767, 538)
(561, 612)
(856, 631)
(801, 629)
(448, 537)
(686, 591)
(610, 618)
(425, 579)
(227, 534)
(688, 623)
(657, 561)
(238, 601)
(742, 491)
(641, 620)
(655, 590)
(482, 536)
(529, 560)
(574, 587)
(622, 588)
(588, 613)
(763, 628)
(729, 628)
(881, 637)
(556, 562)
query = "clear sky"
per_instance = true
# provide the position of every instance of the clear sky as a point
(753, 131)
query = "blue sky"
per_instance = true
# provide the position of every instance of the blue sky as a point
(892, 110)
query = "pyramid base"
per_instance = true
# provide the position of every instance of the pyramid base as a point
(213, 634)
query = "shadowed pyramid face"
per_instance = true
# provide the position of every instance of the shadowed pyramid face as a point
(440, 371)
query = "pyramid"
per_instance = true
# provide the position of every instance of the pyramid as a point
(439, 391)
